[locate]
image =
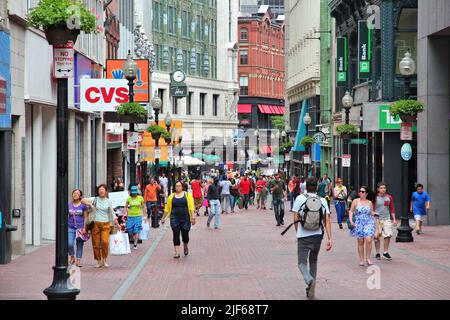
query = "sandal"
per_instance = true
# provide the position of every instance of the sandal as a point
(369, 263)
(176, 256)
(361, 264)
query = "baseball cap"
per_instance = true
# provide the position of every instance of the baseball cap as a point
(134, 190)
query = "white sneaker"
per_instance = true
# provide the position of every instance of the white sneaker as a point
(135, 247)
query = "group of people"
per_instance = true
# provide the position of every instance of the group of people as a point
(371, 218)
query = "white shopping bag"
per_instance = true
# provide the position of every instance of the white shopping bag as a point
(126, 240)
(117, 245)
(145, 232)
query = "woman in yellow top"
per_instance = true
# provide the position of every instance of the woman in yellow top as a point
(180, 208)
(134, 207)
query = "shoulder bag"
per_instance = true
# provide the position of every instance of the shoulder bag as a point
(79, 234)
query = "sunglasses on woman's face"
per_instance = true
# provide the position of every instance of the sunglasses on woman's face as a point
(362, 191)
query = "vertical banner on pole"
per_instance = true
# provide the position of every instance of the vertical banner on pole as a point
(341, 61)
(364, 49)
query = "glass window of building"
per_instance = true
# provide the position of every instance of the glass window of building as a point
(215, 104)
(185, 24)
(202, 103)
(407, 35)
(244, 34)
(243, 84)
(243, 54)
(172, 20)
(189, 103)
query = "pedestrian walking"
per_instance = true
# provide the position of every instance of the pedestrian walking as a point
(225, 195)
(278, 188)
(292, 187)
(134, 210)
(197, 194)
(151, 197)
(384, 209)
(180, 209)
(261, 193)
(205, 196)
(309, 239)
(104, 219)
(214, 203)
(234, 193)
(164, 183)
(78, 217)
(363, 224)
(420, 203)
(245, 187)
(340, 198)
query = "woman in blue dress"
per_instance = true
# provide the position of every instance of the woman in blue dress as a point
(363, 223)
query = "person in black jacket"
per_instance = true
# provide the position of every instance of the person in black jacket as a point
(214, 202)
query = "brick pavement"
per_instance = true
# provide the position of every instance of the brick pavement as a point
(246, 259)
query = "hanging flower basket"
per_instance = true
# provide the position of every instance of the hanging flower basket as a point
(158, 132)
(59, 34)
(168, 141)
(307, 141)
(407, 110)
(408, 118)
(347, 131)
(55, 17)
(117, 118)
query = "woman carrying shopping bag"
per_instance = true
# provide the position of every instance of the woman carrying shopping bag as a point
(134, 208)
(104, 218)
(181, 210)
(78, 216)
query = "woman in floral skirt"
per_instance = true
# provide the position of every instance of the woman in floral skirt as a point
(362, 223)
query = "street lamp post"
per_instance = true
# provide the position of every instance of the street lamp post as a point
(307, 121)
(407, 69)
(256, 133)
(347, 103)
(130, 70)
(156, 104)
(168, 122)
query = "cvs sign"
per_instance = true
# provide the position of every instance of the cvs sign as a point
(102, 94)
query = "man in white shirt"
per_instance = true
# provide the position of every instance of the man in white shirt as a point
(164, 183)
(308, 242)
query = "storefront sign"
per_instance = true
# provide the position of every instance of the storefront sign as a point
(141, 84)
(102, 94)
(306, 159)
(2, 96)
(359, 141)
(319, 137)
(178, 91)
(346, 160)
(406, 132)
(5, 81)
(364, 49)
(341, 61)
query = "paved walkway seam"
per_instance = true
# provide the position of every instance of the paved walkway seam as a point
(120, 293)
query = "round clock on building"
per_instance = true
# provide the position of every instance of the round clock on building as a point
(178, 76)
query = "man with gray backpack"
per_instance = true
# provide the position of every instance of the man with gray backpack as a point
(313, 214)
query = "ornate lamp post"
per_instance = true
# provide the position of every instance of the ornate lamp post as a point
(407, 69)
(156, 104)
(168, 123)
(256, 133)
(347, 103)
(307, 121)
(130, 70)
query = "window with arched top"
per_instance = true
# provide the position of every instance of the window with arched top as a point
(244, 34)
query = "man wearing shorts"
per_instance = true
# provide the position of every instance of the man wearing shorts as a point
(197, 194)
(385, 209)
(420, 203)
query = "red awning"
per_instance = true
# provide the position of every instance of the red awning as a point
(268, 109)
(244, 108)
(265, 149)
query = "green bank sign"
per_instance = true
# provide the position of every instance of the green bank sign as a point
(364, 49)
(388, 122)
(341, 61)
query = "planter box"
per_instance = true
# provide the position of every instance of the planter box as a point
(114, 117)
(156, 136)
(408, 118)
(59, 34)
(346, 136)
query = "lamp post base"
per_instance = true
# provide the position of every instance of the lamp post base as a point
(404, 231)
(59, 289)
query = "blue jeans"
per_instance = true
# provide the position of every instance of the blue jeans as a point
(232, 202)
(150, 205)
(80, 244)
(278, 206)
(215, 211)
(340, 210)
(226, 202)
